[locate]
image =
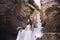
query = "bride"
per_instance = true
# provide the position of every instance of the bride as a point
(29, 34)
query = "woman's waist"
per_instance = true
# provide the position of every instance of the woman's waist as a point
(28, 29)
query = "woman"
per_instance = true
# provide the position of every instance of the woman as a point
(29, 34)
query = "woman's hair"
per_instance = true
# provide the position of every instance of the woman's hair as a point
(29, 22)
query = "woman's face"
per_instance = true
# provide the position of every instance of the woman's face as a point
(28, 20)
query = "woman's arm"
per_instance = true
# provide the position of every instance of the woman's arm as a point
(32, 28)
(25, 28)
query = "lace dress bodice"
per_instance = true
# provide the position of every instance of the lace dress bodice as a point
(28, 27)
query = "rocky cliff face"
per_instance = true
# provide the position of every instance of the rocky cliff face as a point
(8, 19)
(14, 13)
(50, 19)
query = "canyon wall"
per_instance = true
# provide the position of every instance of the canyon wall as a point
(50, 19)
(14, 13)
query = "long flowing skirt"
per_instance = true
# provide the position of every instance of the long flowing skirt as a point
(26, 35)
(29, 35)
(20, 35)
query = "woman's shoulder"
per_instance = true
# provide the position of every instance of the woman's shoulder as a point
(28, 25)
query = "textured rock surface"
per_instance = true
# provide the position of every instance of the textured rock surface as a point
(50, 19)
(13, 13)
(8, 20)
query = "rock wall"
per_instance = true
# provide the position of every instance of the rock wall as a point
(50, 19)
(13, 14)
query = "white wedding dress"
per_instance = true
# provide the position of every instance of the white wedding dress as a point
(29, 35)
(26, 34)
